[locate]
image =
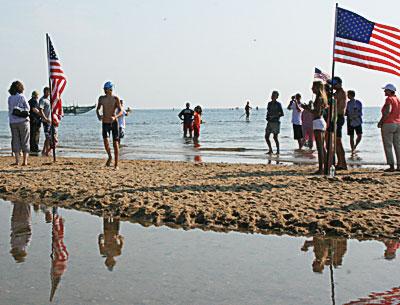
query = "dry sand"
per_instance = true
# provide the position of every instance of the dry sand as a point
(361, 203)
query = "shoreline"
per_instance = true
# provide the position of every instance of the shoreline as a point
(253, 198)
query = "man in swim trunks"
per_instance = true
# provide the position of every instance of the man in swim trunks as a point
(110, 105)
(186, 115)
(341, 100)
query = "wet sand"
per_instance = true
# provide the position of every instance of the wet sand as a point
(360, 203)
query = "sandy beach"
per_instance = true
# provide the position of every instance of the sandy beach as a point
(359, 203)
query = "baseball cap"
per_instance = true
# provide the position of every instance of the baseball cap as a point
(108, 85)
(390, 87)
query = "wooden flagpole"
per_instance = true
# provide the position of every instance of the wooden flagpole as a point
(53, 144)
(330, 154)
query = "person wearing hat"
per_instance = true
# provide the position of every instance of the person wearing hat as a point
(390, 126)
(35, 122)
(111, 111)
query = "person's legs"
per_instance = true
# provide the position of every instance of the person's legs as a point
(116, 153)
(267, 134)
(352, 143)
(396, 144)
(358, 140)
(25, 136)
(15, 148)
(191, 130)
(185, 129)
(276, 142)
(387, 132)
(341, 162)
(32, 137)
(319, 141)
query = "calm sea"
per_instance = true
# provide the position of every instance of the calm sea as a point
(225, 137)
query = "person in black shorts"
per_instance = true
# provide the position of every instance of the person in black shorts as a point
(354, 119)
(186, 115)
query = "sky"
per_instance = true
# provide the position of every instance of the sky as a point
(162, 53)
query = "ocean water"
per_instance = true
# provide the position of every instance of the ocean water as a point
(225, 137)
(93, 260)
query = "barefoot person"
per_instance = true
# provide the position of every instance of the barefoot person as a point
(319, 124)
(121, 122)
(341, 99)
(109, 105)
(354, 119)
(186, 115)
(196, 124)
(18, 115)
(295, 107)
(274, 113)
(390, 126)
(45, 113)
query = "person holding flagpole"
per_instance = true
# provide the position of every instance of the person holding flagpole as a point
(111, 111)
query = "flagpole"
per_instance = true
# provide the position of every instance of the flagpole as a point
(329, 160)
(53, 144)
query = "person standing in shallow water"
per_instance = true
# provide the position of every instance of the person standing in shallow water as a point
(354, 119)
(295, 107)
(274, 113)
(186, 115)
(109, 104)
(247, 109)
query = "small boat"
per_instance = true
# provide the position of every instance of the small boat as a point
(77, 109)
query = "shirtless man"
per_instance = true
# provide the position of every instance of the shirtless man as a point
(110, 104)
(341, 100)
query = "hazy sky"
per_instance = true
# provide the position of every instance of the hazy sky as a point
(216, 53)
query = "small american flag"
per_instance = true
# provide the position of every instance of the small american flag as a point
(58, 82)
(318, 74)
(366, 44)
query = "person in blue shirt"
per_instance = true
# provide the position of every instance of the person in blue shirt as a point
(354, 119)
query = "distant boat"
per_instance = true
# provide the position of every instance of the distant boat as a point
(77, 109)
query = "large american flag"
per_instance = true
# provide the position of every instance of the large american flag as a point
(58, 82)
(366, 44)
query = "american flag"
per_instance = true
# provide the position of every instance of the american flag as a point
(58, 82)
(318, 74)
(366, 44)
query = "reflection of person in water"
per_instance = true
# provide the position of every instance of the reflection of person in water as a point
(327, 251)
(21, 231)
(110, 242)
(391, 248)
(59, 253)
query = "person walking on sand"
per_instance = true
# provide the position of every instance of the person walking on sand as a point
(274, 113)
(35, 122)
(109, 104)
(186, 115)
(341, 100)
(297, 109)
(319, 124)
(390, 127)
(18, 116)
(247, 109)
(354, 120)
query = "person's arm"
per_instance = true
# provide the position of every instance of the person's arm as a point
(99, 116)
(298, 108)
(385, 113)
(280, 110)
(289, 107)
(180, 115)
(360, 108)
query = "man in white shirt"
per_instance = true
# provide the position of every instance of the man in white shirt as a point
(295, 106)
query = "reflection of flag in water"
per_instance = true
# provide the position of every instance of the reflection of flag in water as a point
(390, 297)
(59, 254)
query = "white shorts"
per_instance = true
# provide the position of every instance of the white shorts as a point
(319, 124)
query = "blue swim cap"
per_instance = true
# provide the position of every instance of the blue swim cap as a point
(108, 85)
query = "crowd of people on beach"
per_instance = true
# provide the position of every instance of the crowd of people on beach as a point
(310, 122)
